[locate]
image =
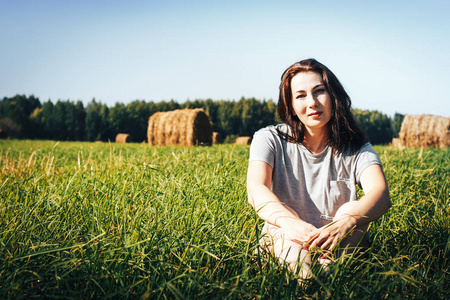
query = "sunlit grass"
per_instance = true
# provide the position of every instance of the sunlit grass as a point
(83, 220)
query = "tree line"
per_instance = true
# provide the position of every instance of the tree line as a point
(27, 118)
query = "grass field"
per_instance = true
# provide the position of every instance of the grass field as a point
(85, 220)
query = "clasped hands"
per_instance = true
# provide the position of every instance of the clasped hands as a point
(324, 238)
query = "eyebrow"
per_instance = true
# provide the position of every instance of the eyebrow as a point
(315, 87)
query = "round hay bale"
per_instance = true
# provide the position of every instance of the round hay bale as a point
(425, 131)
(243, 140)
(123, 138)
(216, 138)
(184, 127)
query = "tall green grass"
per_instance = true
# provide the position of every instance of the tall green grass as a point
(84, 220)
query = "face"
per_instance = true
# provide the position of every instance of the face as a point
(311, 101)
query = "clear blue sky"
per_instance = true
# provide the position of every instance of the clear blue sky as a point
(392, 56)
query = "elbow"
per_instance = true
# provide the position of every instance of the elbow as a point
(384, 198)
(250, 196)
(387, 200)
(387, 204)
(250, 199)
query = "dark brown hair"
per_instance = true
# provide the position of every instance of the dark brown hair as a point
(344, 131)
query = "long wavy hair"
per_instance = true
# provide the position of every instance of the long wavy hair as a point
(344, 131)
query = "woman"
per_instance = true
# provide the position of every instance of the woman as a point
(302, 174)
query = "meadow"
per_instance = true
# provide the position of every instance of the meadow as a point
(100, 220)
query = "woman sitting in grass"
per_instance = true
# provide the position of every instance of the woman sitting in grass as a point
(303, 173)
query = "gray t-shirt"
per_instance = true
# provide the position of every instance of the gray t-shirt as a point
(313, 185)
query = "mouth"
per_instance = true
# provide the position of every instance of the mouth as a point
(315, 114)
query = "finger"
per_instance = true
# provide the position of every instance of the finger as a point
(326, 255)
(333, 245)
(310, 234)
(313, 246)
(306, 245)
(327, 243)
(296, 241)
(309, 241)
(319, 241)
(311, 237)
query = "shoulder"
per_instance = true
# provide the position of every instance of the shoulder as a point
(272, 129)
(272, 133)
(365, 148)
(266, 143)
(361, 158)
(365, 157)
(266, 135)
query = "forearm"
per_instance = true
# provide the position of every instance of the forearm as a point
(375, 201)
(371, 206)
(273, 211)
(268, 206)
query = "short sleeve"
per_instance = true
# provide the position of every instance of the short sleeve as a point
(365, 157)
(263, 147)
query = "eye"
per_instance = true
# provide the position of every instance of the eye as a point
(300, 96)
(320, 91)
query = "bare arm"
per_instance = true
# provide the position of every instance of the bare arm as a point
(376, 200)
(370, 207)
(270, 208)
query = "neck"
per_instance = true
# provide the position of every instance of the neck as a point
(315, 143)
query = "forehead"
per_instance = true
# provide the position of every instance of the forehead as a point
(305, 80)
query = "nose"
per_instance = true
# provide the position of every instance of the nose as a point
(312, 101)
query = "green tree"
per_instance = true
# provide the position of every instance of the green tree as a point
(64, 120)
(258, 115)
(167, 106)
(224, 122)
(138, 113)
(37, 122)
(15, 115)
(118, 120)
(397, 124)
(49, 121)
(97, 126)
(79, 132)
(376, 125)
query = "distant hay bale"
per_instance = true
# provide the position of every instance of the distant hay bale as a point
(425, 131)
(184, 127)
(396, 143)
(216, 138)
(123, 138)
(243, 140)
(98, 142)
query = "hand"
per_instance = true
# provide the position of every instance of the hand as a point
(329, 236)
(297, 230)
